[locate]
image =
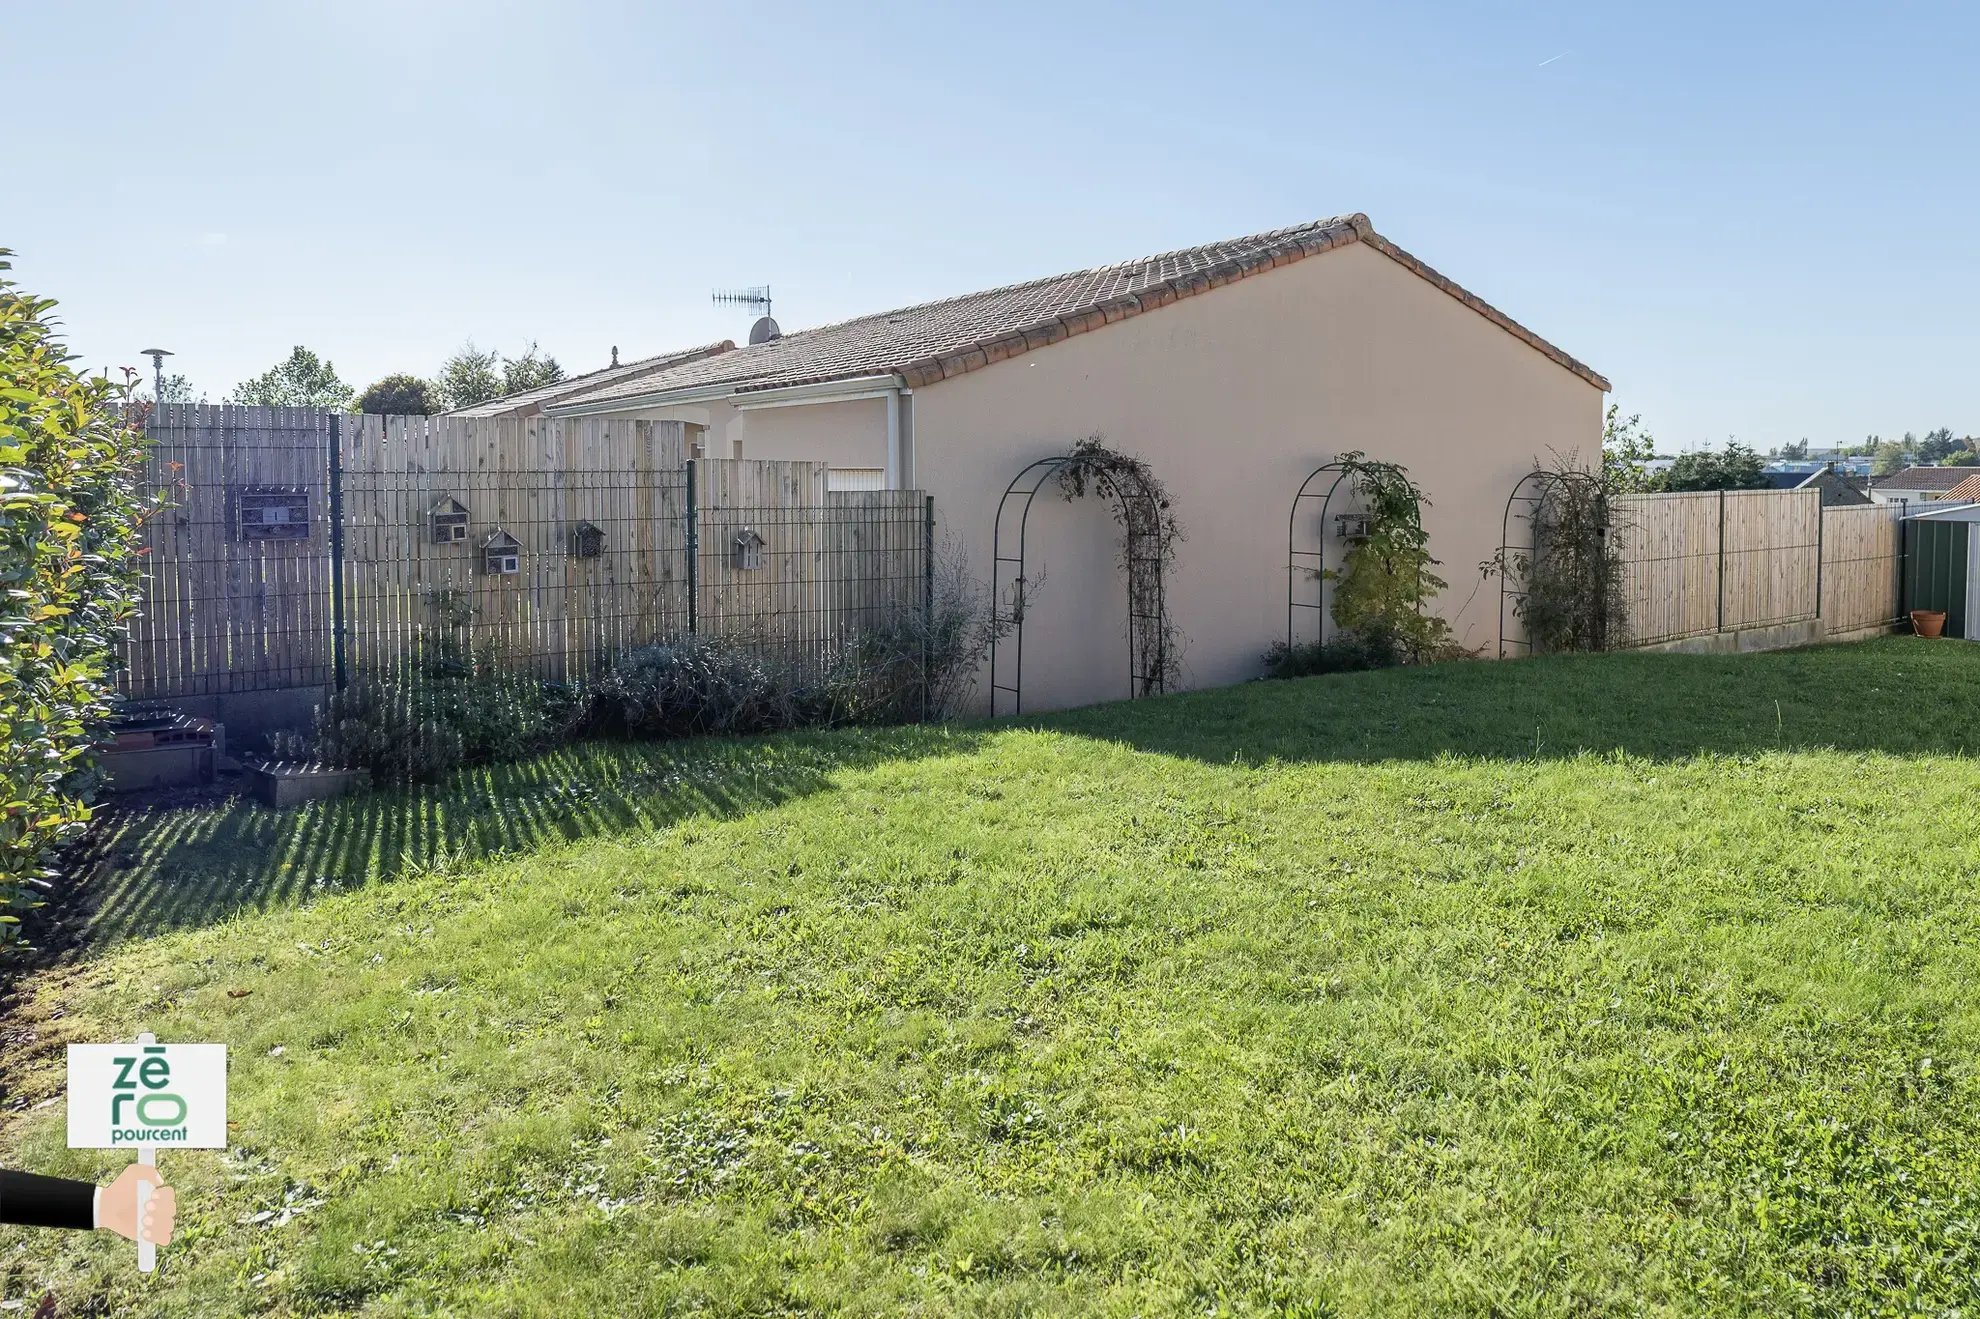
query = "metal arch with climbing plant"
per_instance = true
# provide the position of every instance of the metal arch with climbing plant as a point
(1384, 578)
(1150, 533)
(1564, 585)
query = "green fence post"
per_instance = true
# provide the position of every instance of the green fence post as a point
(693, 551)
(927, 602)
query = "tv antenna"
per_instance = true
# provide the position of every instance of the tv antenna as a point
(756, 298)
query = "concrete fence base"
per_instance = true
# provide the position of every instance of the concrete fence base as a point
(1781, 636)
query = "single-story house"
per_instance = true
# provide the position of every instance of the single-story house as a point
(1917, 484)
(1837, 488)
(1233, 369)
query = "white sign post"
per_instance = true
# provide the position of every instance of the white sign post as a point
(146, 1096)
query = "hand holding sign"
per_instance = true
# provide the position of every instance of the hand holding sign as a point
(118, 1212)
(144, 1096)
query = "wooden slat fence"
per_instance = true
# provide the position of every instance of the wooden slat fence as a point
(1862, 566)
(226, 614)
(598, 512)
(832, 563)
(539, 482)
(1702, 562)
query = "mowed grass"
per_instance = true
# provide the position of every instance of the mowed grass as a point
(1611, 985)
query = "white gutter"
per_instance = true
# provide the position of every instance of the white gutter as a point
(634, 402)
(824, 391)
(743, 400)
(893, 481)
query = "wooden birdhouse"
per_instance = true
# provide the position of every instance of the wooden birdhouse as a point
(450, 521)
(501, 554)
(587, 541)
(263, 512)
(747, 550)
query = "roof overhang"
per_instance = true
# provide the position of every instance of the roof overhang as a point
(742, 398)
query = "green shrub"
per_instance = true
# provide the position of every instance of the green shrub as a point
(442, 709)
(1371, 647)
(714, 685)
(70, 513)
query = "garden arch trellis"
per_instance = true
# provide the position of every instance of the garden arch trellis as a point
(1312, 563)
(1140, 508)
(1534, 492)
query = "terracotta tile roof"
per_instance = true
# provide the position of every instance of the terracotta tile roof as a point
(531, 401)
(1924, 478)
(1966, 488)
(937, 340)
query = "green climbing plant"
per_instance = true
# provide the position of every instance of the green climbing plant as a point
(1387, 579)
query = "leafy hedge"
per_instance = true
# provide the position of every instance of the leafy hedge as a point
(70, 514)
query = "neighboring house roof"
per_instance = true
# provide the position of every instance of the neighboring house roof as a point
(936, 340)
(1837, 488)
(1966, 488)
(531, 401)
(1924, 478)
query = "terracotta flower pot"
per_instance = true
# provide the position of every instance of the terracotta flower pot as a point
(1928, 622)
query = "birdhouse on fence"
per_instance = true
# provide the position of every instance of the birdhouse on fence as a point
(587, 541)
(746, 551)
(267, 512)
(1353, 527)
(450, 521)
(501, 554)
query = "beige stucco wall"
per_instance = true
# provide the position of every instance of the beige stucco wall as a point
(1234, 396)
(849, 434)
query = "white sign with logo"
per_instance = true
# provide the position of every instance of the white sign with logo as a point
(147, 1096)
(169, 1096)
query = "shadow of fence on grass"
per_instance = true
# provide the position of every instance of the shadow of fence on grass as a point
(161, 869)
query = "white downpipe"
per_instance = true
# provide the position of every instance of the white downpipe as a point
(894, 463)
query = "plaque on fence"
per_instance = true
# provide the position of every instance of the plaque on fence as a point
(263, 512)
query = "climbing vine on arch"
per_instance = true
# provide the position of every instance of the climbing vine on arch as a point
(1566, 585)
(1386, 580)
(1150, 532)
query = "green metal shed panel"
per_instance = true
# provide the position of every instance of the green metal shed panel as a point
(1937, 569)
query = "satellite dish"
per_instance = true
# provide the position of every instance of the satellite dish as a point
(764, 331)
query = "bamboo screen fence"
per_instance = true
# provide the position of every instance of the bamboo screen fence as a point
(546, 545)
(1711, 561)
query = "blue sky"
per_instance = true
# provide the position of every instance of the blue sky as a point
(1759, 220)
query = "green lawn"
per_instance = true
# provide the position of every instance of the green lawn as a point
(1614, 985)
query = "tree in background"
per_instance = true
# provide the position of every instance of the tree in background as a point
(1734, 467)
(469, 377)
(1796, 452)
(472, 376)
(529, 371)
(70, 519)
(302, 380)
(1627, 448)
(401, 396)
(1888, 459)
(1937, 446)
